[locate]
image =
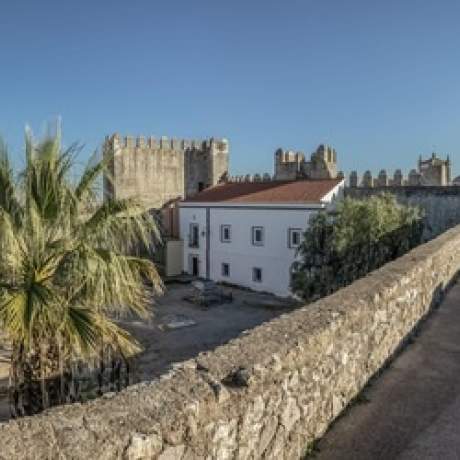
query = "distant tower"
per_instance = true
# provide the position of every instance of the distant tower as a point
(368, 181)
(290, 165)
(382, 180)
(398, 178)
(354, 179)
(324, 163)
(414, 178)
(434, 171)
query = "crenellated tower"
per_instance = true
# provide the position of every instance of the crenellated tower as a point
(160, 170)
(290, 165)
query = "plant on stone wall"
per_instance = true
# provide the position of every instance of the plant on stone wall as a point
(358, 237)
(64, 273)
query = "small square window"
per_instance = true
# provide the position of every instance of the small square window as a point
(225, 269)
(294, 237)
(258, 236)
(225, 233)
(257, 275)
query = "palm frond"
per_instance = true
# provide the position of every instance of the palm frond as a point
(66, 268)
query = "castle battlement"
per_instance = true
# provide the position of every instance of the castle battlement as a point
(165, 143)
(266, 177)
(289, 156)
(433, 171)
(291, 165)
(157, 170)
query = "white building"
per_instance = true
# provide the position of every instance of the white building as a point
(247, 233)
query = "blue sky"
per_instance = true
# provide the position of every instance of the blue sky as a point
(379, 80)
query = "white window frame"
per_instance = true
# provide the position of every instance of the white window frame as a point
(254, 231)
(224, 227)
(291, 232)
(256, 279)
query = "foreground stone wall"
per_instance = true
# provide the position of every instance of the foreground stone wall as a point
(440, 203)
(266, 394)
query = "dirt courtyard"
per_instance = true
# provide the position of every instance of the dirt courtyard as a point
(180, 329)
(213, 326)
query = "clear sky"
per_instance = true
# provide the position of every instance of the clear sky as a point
(377, 79)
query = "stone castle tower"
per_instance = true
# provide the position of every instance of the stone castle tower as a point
(160, 170)
(434, 170)
(291, 165)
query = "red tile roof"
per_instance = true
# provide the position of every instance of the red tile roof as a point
(299, 191)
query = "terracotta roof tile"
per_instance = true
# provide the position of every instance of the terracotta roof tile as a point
(300, 191)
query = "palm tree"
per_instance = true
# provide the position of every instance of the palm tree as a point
(65, 273)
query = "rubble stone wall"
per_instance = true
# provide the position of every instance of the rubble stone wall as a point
(159, 171)
(266, 394)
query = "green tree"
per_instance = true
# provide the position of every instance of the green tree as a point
(356, 238)
(65, 274)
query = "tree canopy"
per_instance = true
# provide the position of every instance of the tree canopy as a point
(65, 273)
(357, 237)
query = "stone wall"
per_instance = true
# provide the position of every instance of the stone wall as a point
(440, 203)
(266, 394)
(158, 171)
(290, 165)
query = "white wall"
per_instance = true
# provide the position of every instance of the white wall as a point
(275, 257)
(187, 216)
(174, 257)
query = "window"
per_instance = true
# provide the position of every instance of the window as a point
(194, 236)
(194, 265)
(225, 233)
(258, 236)
(294, 236)
(225, 269)
(257, 274)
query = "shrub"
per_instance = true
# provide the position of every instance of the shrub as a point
(346, 244)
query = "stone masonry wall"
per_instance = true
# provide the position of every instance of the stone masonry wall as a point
(266, 394)
(440, 203)
(158, 171)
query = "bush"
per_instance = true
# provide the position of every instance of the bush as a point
(358, 237)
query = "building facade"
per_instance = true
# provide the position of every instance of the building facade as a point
(248, 233)
(157, 171)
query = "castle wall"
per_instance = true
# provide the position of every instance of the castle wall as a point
(287, 171)
(197, 173)
(157, 171)
(205, 166)
(291, 166)
(219, 161)
(434, 175)
(431, 172)
(264, 395)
